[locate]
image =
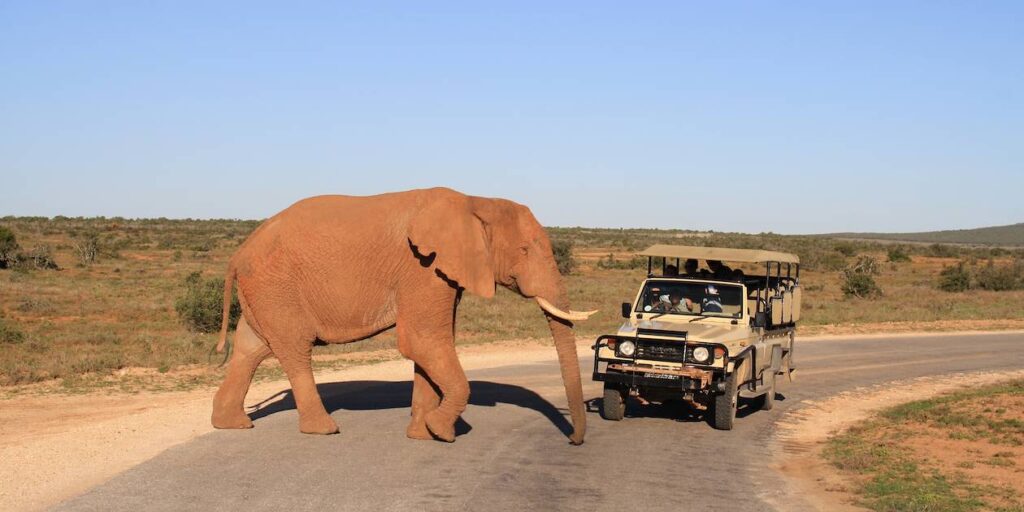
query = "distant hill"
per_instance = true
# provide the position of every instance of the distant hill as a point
(1012, 235)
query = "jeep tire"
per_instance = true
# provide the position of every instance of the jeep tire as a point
(613, 405)
(723, 409)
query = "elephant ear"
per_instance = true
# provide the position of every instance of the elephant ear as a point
(448, 229)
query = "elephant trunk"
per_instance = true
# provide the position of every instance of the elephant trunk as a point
(565, 345)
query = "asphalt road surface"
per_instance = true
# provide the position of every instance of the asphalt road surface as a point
(512, 453)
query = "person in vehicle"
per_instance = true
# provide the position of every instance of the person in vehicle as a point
(654, 302)
(671, 271)
(690, 267)
(712, 302)
(719, 270)
(679, 305)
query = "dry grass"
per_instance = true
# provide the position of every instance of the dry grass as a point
(119, 313)
(957, 452)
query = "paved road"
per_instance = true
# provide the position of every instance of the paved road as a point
(512, 454)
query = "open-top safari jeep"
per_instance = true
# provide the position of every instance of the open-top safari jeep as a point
(707, 336)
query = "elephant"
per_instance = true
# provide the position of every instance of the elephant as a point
(338, 269)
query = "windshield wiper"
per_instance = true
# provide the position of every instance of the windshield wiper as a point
(701, 317)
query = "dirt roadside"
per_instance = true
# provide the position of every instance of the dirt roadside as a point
(803, 433)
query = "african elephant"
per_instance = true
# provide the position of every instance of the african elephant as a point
(341, 268)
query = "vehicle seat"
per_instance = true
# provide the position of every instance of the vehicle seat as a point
(797, 295)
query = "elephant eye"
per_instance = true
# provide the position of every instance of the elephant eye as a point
(524, 250)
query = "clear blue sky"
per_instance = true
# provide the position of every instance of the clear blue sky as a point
(763, 116)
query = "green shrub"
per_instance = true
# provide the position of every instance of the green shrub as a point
(943, 251)
(858, 281)
(10, 334)
(200, 307)
(634, 262)
(8, 248)
(562, 250)
(846, 249)
(955, 278)
(1000, 278)
(861, 286)
(898, 255)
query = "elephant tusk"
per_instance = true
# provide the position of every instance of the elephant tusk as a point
(573, 316)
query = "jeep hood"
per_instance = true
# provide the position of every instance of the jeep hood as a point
(726, 334)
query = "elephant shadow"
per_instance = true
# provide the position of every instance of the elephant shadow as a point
(369, 395)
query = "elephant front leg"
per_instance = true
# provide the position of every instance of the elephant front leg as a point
(425, 398)
(443, 368)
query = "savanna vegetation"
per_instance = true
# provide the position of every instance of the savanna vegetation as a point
(1011, 235)
(93, 297)
(958, 452)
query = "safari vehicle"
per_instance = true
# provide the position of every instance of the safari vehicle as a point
(707, 337)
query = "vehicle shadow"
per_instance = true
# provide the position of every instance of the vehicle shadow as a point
(377, 395)
(680, 410)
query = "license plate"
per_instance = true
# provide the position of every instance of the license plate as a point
(661, 376)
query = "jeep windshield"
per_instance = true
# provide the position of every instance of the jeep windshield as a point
(691, 298)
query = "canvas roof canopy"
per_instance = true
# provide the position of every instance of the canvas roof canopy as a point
(719, 253)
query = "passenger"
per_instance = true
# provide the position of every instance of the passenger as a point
(690, 267)
(712, 302)
(738, 275)
(671, 271)
(678, 305)
(719, 270)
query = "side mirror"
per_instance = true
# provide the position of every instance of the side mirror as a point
(627, 308)
(761, 319)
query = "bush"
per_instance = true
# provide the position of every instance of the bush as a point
(10, 334)
(8, 248)
(1001, 278)
(562, 250)
(846, 249)
(898, 255)
(943, 251)
(610, 262)
(200, 308)
(862, 286)
(39, 257)
(955, 278)
(858, 281)
(88, 247)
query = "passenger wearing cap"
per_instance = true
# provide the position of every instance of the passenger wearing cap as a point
(712, 302)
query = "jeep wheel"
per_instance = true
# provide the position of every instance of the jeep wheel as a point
(768, 399)
(613, 405)
(724, 408)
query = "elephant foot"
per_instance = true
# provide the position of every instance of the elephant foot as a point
(237, 419)
(417, 429)
(321, 424)
(442, 427)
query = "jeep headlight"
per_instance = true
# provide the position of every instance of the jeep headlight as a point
(627, 348)
(701, 355)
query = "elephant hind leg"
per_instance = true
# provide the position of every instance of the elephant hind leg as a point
(248, 352)
(425, 398)
(296, 358)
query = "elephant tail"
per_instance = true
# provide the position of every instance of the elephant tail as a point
(229, 281)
